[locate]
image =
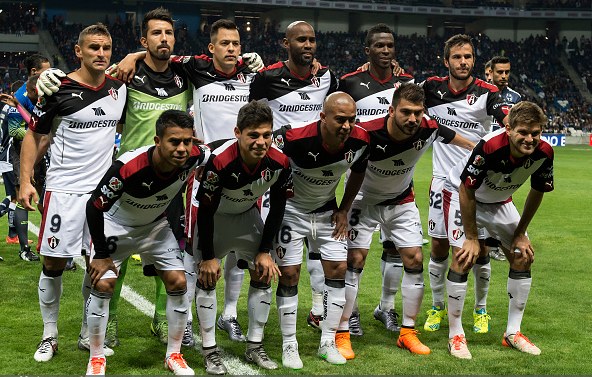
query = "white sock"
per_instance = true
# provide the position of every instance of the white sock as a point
(206, 307)
(286, 299)
(85, 295)
(258, 304)
(412, 288)
(317, 283)
(333, 302)
(391, 268)
(456, 285)
(519, 283)
(482, 273)
(177, 307)
(97, 314)
(233, 281)
(355, 308)
(50, 292)
(352, 281)
(437, 272)
(191, 277)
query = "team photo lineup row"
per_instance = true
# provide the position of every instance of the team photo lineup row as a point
(283, 135)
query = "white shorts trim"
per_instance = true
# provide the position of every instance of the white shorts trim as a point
(399, 223)
(64, 231)
(155, 242)
(317, 228)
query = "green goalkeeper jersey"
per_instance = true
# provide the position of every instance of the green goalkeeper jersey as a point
(148, 95)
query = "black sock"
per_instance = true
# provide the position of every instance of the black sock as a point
(21, 222)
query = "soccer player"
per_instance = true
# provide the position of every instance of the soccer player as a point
(155, 87)
(320, 153)
(478, 193)
(9, 203)
(17, 127)
(82, 117)
(387, 198)
(488, 72)
(125, 216)
(500, 76)
(463, 103)
(220, 88)
(372, 89)
(296, 94)
(237, 174)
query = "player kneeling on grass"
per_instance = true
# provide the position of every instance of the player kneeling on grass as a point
(478, 193)
(237, 174)
(125, 217)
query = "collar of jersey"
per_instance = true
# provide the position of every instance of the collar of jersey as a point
(295, 75)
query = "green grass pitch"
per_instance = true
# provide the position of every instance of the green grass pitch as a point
(556, 319)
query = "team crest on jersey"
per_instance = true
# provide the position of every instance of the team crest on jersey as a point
(186, 59)
(115, 184)
(240, 77)
(471, 99)
(178, 81)
(315, 81)
(53, 242)
(267, 174)
(419, 144)
(279, 141)
(457, 234)
(113, 93)
(352, 234)
(478, 160)
(397, 85)
(183, 175)
(431, 225)
(349, 156)
(528, 163)
(212, 177)
(280, 251)
(41, 101)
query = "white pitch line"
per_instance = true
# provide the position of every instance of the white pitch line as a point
(234, 365)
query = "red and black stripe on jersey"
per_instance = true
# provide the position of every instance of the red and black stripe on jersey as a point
(315, 170)
(82, 122)
(217, 97)
(228, 186)
(372, 96)
(389, 176)
(292, 98)
(133, 193)
(496, 175)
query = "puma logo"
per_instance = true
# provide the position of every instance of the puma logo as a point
(235, 176)
(471, 180)
(313, 155)
(140, 78)
(78, 95)
(209, 196)
(266, 303)
(286, 81)
(291, 313)
(457, 298)
(381, 147)
(339, 306)
(441, 94)
(147, 185)
(211, 74)
(366, 84)
(181, 311)
(211, 307)
(98, 315)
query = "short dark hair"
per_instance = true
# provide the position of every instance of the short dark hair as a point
(410, 92)
(526, 112)
(488, 65)
(252, 114)
(35, 61)
(33, 80)
(457, 40)
(221, 24)
(159, 13)
(97, 29)
(499, 60)
(173, 118)
(16, 85)
(377, 29)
